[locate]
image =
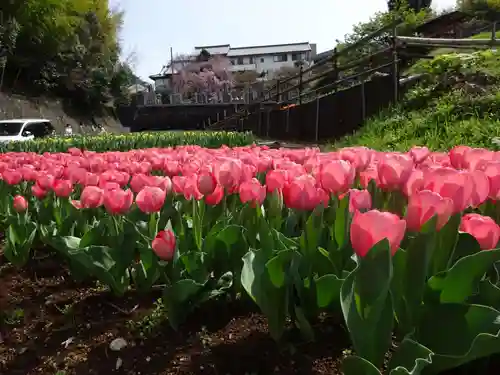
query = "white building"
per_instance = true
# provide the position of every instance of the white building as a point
(271, 58)
(267, 59)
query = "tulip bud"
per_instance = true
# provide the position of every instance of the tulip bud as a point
(164, 244)
(20, 204)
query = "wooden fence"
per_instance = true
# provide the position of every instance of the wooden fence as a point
(356, 91)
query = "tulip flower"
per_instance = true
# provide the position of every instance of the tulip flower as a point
(252, 191)
(369, 228)
(139, 182)
(20, 204)
(483, 229)
(457, 157)
(91, 197)
(276, 180)
(12, 177)
(206, 182)
(228, 173)
(118, 201)
(216, 197)
(302, 193)
(419, 154)
(337, 176)
(38, 192)
(453, 184)
(359, 200)
(150, 199)
(424, 205)
(62, 188)
(394, 170)
(164, 244)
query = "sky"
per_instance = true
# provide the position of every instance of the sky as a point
(151, 27)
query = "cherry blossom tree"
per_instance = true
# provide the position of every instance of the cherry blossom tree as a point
(207, 74)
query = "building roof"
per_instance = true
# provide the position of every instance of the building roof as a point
(221, 49)
(442, 21)
(269, 49)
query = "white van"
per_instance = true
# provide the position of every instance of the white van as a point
(20, 130)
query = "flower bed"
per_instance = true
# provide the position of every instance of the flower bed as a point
(131, 141)
(403, 245)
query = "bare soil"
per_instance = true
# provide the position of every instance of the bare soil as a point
(51, 325)
(54, 326)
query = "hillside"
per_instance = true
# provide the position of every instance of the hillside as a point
(17, 106)
(458, 102)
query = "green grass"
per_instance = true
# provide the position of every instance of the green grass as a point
(440, 115)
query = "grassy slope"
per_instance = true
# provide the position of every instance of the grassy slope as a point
(440, 117)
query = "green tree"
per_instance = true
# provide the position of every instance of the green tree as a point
(415, 5)
(65, 47)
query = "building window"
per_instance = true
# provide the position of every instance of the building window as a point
(280, 58)
(233, 62)
(297, 56)
(252, 60)
(261, 59)
(240, 61)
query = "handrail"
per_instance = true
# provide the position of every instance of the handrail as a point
(268, 93)
(341, 52)
(398, 42)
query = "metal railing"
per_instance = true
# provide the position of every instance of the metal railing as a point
(397, 51)
(284, 87)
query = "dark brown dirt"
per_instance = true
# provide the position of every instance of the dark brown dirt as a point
(51, 325)
(63, 328)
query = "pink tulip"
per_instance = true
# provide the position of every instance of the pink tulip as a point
(337, 176)
(276, 180)
(394, 170)
(190, 188)
(419, 154)
(483, 229)
(91, 197)
(139, 182)
(369, 228)
(178, 183)
(414, 183)
(359, 157)
(368, 175)
(302, 193)
(457, 156)
(216, 197)
(252, 191)
(12, 177)
(38, 192)
(62, 188)
(20, 204)
(492, 171)
(150, 199)
(358, 200)
(45, 181)
(228, 173)
(164, 245)
(424, 205)
(206, 182)
(453, 184)
(481, 188)
(118, 201)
